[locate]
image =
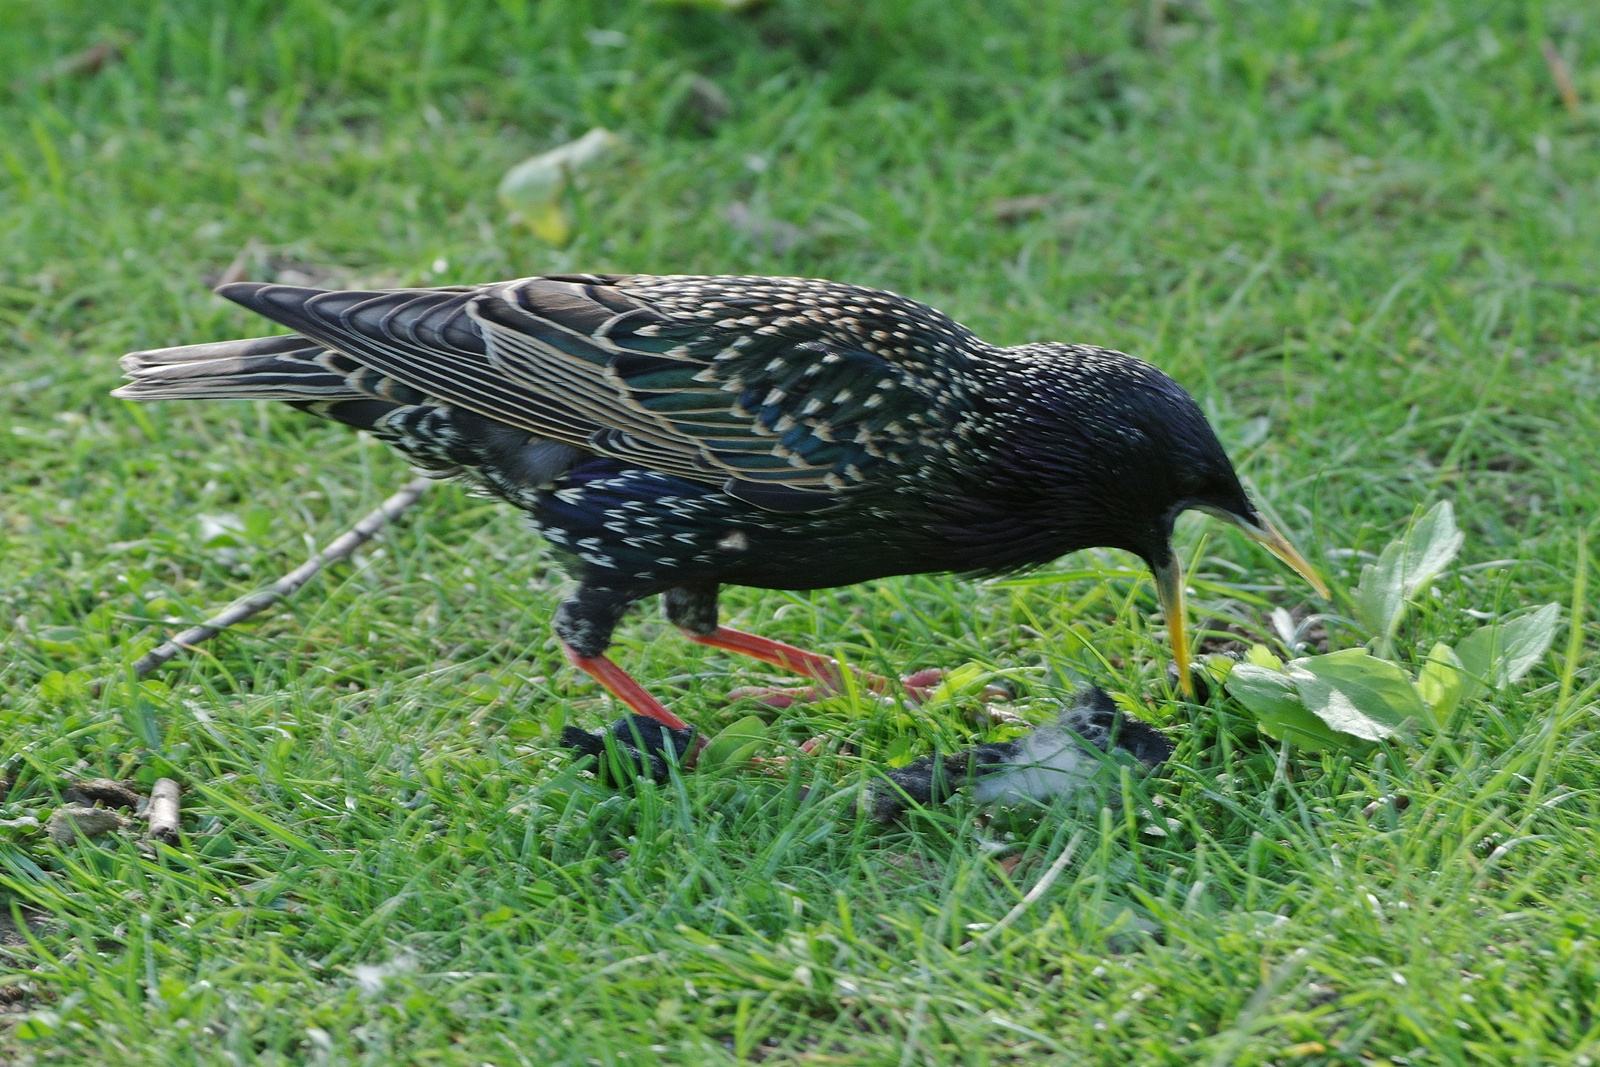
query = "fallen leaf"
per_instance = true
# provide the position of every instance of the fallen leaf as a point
(532, 189)
(69, 822)
(85, 61)
(761, 229)
(1013, 208)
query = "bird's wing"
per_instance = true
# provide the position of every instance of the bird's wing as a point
(787, 394)
(423, 337)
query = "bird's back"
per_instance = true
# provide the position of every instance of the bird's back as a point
(770, 431)
(785, 389)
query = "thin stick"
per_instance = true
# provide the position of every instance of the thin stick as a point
(1039, 889)
(163, 811)
(1562, 77)
(1569, 669)
(257, 602)
(236, 271)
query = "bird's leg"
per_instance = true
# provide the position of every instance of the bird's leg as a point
(584, 623)
(620, 684)
(693, 609)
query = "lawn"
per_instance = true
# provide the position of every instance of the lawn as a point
(1366, 235)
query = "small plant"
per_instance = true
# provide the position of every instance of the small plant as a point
(1353, 698)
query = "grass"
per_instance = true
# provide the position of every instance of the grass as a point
(1364, 234)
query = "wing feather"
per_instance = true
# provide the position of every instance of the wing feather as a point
(787, 391)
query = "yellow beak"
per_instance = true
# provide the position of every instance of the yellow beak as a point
(1169, 584)
(1268, 537)
(1169, 589)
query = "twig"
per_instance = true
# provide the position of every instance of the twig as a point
(1571, 287)
(163, 811)
(1562, 76)
(1569, 669)
(236, 270)
(86, 61)
(1154, 16)
(1039, 889)
(257, 602)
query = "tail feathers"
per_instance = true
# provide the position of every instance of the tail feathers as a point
(287, 367)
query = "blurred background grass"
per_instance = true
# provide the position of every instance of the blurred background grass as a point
(1364, 234)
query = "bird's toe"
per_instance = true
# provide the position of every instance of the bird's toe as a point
(776, 696)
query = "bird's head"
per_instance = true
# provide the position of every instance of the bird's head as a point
(1145, 453)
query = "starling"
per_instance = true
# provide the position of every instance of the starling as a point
(672, 434)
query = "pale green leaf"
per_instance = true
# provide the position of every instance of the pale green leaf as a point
(36, 1026)
(1270, 696)
(1440, 683)
(1357, 694)
(1431, 546)
(1404, 568)
(1502, 654)
(1379, 599)
(957, 683)
(1526, 641)
(736, 743)
(538, 180)
(899, 751)
(1262, 656)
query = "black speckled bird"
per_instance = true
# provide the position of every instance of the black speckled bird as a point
(672, 434)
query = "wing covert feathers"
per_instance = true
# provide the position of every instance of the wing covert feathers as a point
(787, 391)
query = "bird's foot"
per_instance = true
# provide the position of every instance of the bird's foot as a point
(776, 696)
(918, 687)
(780, 763)
(620, 684)
(827, 672)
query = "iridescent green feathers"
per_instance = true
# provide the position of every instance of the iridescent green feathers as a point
(788, 390)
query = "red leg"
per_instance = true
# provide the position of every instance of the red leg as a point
(620, 684)
(825, 670)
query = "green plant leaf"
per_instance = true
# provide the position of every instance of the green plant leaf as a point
(1262, 656)
(736, 743)
(524, 730)
(958, 683)
(56, 686)
(533, 189)
(1502, 654)
(1378, 599)
(1527, 639)
(1405, 567)
(899, 752)
(1440, 683)
(258, 524)
(220, 531)
(37, 1025)
(1357, 694)
(64, 641)
(1271, 697)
